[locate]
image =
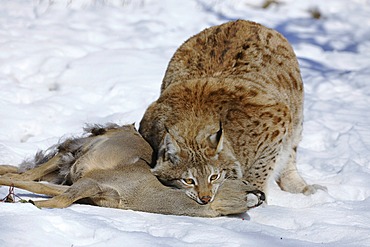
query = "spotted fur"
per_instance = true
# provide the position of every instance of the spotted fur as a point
(231, 98)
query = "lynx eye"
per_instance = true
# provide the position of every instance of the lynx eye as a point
(214, 177)
(188, 181)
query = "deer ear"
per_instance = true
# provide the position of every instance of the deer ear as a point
(217, 140)
(169, 149)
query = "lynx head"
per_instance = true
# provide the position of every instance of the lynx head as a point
(198, 166)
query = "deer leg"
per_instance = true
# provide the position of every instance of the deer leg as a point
(38, 172)
(84, 188)
(35, 187)
(4, 169)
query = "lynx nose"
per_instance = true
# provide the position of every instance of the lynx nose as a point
(205, 199)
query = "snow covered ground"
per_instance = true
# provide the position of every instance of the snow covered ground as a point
(71, 62)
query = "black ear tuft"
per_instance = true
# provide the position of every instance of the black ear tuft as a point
(217, 140)
(219, 133)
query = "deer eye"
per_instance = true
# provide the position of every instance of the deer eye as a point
(214, 177)
(188, 181)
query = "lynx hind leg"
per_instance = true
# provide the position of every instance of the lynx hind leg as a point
(237, 196)
(289, 179)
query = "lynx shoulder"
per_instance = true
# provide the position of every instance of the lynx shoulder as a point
(231, 107)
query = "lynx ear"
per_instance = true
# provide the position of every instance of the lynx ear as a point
(217, 140)
(169, 149)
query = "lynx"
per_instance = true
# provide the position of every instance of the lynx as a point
(231, 107)
(110, 168)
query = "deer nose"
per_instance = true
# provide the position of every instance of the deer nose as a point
(205, 199)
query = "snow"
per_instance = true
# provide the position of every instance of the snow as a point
(66, 63)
